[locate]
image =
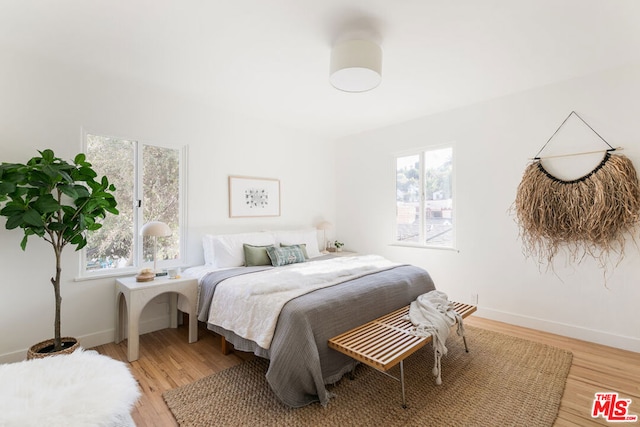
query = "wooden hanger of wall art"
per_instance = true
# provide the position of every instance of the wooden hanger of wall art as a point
(573, 113)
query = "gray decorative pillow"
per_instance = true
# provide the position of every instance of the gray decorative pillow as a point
(256, 255)
(285, 255)
(303, 247)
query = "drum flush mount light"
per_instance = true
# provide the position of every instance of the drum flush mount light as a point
(356, 66)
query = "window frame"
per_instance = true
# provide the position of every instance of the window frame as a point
(421, 153)
(138, 195)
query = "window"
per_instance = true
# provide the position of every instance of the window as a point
(149, 187)
(425, 198)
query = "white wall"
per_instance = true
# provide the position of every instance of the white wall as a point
(494, 141)
(46, 105)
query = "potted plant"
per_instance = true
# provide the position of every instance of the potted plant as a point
(338, 245)
(59, 202)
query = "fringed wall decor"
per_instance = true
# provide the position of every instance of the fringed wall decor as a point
(591, 215)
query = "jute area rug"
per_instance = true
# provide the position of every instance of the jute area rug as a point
(502, 381)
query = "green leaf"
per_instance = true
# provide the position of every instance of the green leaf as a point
(113, 211)
(23, 243)
(69, 190)
(93, 185)
(39, 231)
(81, 244)
(68, 210)
(52, 172)
(14, 221)
(12, 208)
(56, 226)
(33, 217)
(40, 180)
(66, 177)
(46, 204)
(47, 155)
(87, 172)
(82, 191)
(80, 159)
(91, 206)
(7, 187)
(20, 192)
(77, 239)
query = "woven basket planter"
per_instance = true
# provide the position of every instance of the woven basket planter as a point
(45, 348)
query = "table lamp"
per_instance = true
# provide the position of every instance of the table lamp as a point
(155, 229)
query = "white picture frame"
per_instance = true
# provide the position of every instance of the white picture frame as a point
(253, 197)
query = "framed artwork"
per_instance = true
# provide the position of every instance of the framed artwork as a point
(251, 197)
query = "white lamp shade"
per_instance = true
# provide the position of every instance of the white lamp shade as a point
(155, 228)
(324, 225)
(356, 66)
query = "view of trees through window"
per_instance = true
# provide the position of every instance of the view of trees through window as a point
(144, 193)
(424, 198)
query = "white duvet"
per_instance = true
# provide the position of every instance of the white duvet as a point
(249, 305)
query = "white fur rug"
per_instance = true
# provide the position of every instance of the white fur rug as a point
(80, 389)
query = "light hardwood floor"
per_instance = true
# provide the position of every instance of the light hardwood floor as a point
(168, 361)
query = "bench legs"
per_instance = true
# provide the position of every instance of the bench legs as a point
(404, 400)
(401, 378)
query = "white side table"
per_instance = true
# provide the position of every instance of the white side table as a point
(136, 295)
(344, 253)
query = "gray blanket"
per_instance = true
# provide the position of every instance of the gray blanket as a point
(301, 362)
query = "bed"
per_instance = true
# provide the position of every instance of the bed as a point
(301, 363)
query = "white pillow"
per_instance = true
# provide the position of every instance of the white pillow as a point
(226, 250)
(207, 245)
(297, 237)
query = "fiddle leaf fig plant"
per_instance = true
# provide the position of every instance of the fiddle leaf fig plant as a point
(57, 201)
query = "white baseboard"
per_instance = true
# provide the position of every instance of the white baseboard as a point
(16, 356)
(96, 339)
(572, 331)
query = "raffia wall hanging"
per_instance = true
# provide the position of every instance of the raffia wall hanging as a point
(592, 215)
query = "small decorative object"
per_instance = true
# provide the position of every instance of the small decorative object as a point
(146, 275)
(591, 215)
(253, 197)
(324, 226)
(338, 245)
(155, 229)
(60, 203)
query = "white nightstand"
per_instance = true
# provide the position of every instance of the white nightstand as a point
(138, 294)
(344, 253)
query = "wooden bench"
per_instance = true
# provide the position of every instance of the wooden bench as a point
(387, 341)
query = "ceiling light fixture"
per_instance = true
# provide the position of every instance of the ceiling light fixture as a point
(356, 66)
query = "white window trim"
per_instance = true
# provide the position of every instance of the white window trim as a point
(420, 151)
(137, 239)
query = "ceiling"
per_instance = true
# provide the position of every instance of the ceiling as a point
(270, 58)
